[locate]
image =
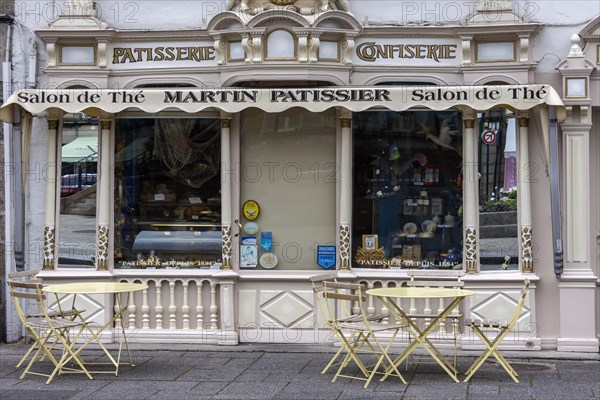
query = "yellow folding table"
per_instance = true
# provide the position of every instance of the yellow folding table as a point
(388, 297)
(90, 288)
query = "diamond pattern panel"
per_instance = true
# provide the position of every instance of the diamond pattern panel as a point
(287, 309)
(498, 305)
(95, 311)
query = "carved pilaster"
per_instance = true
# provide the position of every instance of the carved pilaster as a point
(247, 45)
(466, 49)
(523, 122)
(524, 46)
(49, 247)
(220, 51)
(345, 249)
(471, 250)
(102, 251)
(526, 249)
(348, 50)
(226, 123)
(303, 48)
(102, 54)
(51, 54)
(346, 122)
(226, 246)
(313, 49)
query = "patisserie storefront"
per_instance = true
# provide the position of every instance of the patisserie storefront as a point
(226, 165)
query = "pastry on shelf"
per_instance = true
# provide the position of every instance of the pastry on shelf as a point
(197, 211)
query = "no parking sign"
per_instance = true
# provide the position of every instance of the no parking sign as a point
(489, 137)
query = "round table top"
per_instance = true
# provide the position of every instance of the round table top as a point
(420, 292)
(94, 287)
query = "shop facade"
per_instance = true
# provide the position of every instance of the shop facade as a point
(235, 160)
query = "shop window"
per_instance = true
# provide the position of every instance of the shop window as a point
(288, 171)
(167, 193)
(281, 45)
(77, 188)
(408, 190)
(497, 167)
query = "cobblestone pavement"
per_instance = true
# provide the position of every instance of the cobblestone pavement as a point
(293, 372)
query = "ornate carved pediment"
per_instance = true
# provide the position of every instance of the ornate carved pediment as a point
(304, 7)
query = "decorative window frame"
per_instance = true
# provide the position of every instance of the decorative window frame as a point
(266, 46)
(88, 45)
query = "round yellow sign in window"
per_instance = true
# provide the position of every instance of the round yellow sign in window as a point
(251, 210)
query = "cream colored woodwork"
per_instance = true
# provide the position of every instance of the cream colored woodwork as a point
(471, 195)
(345, 177)
(576, 146)
(524, 197)
(51, 195)
(226, 188)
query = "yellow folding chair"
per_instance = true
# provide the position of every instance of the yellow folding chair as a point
(503, 328)
(453, 318)
(340, 314)
(359, 336)
(29, 283)
(48, 332)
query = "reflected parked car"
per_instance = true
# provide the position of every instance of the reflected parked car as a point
(73, 183)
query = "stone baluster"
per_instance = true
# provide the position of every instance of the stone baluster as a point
(213, 306)
(172, 306)
(131, 309)
(185, 309)
(159, 308)
(199, 307)
(145, 310)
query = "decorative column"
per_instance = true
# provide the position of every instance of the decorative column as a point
(524, 193)
(345, 189)
(103, 195)
(578, 283)
(50, 217)
(226, 175)
(471, 194)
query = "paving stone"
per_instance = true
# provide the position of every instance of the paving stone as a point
(564, 391)
(208, 375)
(450, 390)
(251, 390)
(253, 377)
(29, 394)
(247, 375)
(314, 391)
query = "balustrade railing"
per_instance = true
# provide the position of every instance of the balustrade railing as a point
(173, 304)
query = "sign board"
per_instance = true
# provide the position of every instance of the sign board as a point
(408, 52)
(162, 55)
(489, 137)
(248, 252)
(326, 256)
(233, 100)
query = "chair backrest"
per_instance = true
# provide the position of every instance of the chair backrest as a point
(520, 305)
(421, 281)
(317, 282)
(29, 275)
(22, 293)
(342, 293)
